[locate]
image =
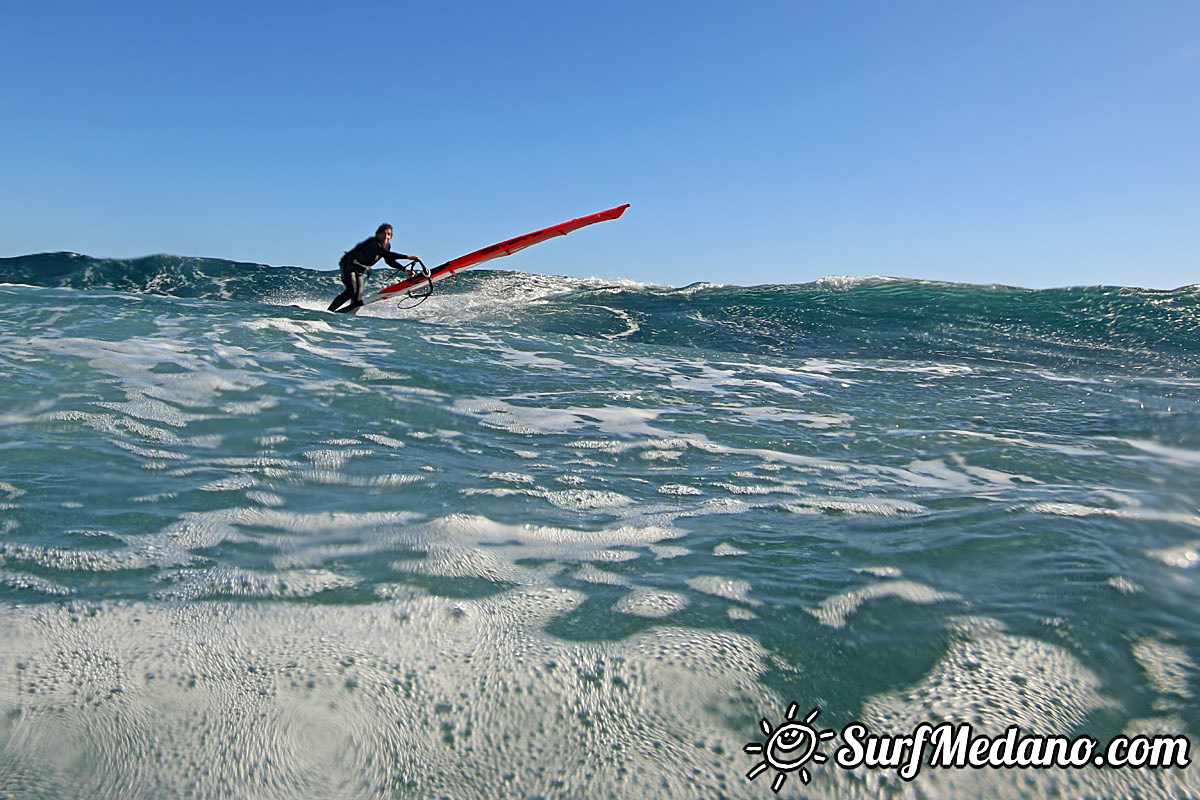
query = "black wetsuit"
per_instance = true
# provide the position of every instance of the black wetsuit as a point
(355, 264)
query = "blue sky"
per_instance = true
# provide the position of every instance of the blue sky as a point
(1029, 143)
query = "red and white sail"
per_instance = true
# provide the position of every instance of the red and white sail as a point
(505, 248)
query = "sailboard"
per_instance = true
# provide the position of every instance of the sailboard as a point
(419, 286)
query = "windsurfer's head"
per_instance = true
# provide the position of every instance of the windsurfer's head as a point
(384, 233)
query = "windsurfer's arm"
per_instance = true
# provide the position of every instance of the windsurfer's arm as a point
(394, 259)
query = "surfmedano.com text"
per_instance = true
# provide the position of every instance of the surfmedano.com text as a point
(957, 746)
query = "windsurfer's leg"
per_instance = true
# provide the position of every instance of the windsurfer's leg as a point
(359, 282)
(347, 281)
(337, 301)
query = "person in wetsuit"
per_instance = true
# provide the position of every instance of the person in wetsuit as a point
(357, 262)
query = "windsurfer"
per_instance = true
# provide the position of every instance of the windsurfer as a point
(357, 262)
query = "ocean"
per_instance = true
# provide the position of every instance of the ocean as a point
(554, 537)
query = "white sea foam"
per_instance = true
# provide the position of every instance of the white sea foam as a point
(269, 499)
(835, 611)
(292, 700)
(520, 478)
(523, 359)
(299, 327)
(590, 573)
(651, 603)
(251, 407)
(997, 680)
(993, 679)
(1175, 455)
(190, 584)
(760, 414)
(679, 490)
(74, 559)
(668, 551)
(853, 281)
(881, 506)
(1169, 668)
(1135, 513)
(734, 589)
(933, 474)
(611, 420)
(232, 483)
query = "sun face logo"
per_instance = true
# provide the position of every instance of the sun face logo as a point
(789, 747)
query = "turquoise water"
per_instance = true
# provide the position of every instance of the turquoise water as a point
(549, 537)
